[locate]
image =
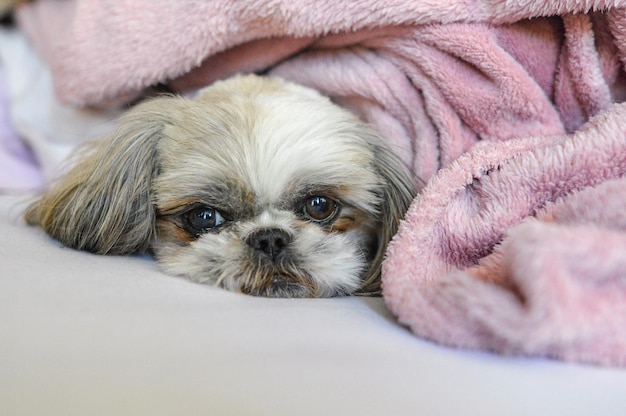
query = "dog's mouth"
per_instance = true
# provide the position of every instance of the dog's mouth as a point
(281, 279)
(280, 286)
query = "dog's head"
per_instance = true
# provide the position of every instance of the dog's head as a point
(257, 185)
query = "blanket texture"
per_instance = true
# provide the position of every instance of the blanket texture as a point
(520, 247)
(507, 114)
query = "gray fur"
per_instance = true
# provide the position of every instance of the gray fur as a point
(103, 204)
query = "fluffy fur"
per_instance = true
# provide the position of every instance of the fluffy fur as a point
(256, 185)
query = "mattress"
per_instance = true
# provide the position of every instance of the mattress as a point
(82, 334)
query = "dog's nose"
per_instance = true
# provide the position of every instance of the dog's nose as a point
(269, 242)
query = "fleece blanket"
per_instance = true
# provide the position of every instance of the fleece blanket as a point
(507, 114)
(520, 247)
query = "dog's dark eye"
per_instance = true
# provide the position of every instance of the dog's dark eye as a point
(320, 209)
(204, 218)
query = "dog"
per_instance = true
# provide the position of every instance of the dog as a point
(256, 185)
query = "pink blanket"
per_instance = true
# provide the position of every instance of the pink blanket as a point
(516, 247)
(520, 247)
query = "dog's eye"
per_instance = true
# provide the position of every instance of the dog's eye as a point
(320, 209)
(204, 218)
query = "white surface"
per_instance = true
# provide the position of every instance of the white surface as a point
(90, 335)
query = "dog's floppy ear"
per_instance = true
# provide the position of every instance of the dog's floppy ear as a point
(397, 194)
(103, 204)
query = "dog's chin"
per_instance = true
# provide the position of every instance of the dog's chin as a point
(276, 282)
(281, 287)
(312, 267)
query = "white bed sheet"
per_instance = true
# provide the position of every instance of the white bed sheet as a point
(82, 334)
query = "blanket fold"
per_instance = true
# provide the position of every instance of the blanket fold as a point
(433, 78)
(506, 113)
(519, 248)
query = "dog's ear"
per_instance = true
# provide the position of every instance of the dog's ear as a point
(103, 204)
(397, 194)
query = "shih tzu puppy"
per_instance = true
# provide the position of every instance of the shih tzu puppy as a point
(256, 185)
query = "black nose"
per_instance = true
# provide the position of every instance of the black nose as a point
(269, 242)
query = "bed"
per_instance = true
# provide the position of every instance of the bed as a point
(85, 334)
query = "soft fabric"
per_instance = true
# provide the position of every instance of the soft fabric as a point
(520, 247)
(87, 335)
(37, 132)
(18, 167)
(511, 82)
(434, 77)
